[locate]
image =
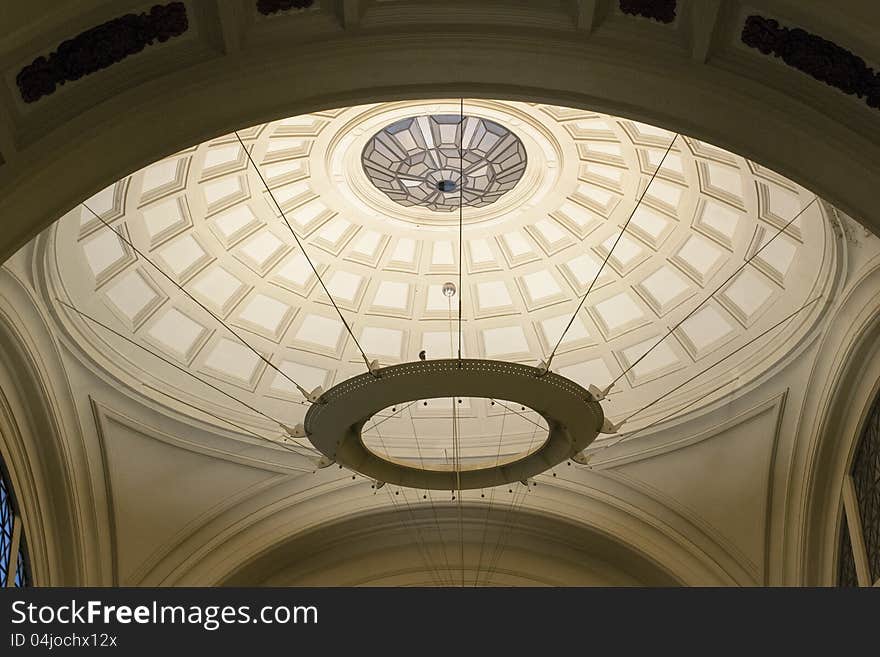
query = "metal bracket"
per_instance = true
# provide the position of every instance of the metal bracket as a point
(315, 395)
(324, 462)
(299, 431)
(598, 394)
(582, 458)
(609, 427)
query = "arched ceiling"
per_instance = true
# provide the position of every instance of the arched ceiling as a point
(237, 67)
(204, 217)
(371, 550)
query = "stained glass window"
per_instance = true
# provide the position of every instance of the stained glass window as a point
(21, 578)
(866, 478)
(440, 160)
(11, 542)
(6, 520)
(846, 570)
(865, 474)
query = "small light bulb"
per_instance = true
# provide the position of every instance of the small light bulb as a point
(449, 289)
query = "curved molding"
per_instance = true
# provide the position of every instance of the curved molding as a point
(288, 505)
(376, 549)
(775, 116)
(739, 100)
(65, 275)
(545, 161)
(220, 447)
(842, 386)
(61, 498)
(735, 561)
(262, 523)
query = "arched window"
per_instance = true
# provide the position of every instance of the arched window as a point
(859, 562)
(13, 550)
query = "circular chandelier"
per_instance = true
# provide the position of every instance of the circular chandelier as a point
(335, 424)
(534, 227)
(623, 259)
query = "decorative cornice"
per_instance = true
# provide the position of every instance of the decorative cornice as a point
(100, 47)
(662, 11)
(269, 7)
(815, 56)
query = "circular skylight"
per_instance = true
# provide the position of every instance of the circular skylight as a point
(441, 160)
(203, 217)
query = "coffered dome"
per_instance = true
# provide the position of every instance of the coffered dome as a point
(540, 216)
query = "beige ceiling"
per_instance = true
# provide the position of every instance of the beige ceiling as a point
(204, 217)
(743, 490)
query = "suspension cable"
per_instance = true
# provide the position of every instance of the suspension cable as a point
(429, 495)
(677, 411)
(714, 292)
(507, 523)
(168, 361)
(491, 499)
(423, 548)
(456, 450)
(305, 254)
(608, 255)
(238, 336)
(226, 420)
(730, 355)
(460, 216)
(513, 410)
(394, 414)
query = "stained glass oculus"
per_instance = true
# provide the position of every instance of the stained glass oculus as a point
(419, 161)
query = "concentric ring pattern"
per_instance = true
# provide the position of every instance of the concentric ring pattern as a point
(203, 217)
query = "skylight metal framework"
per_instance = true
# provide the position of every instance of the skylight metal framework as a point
(442, 162)
(433, 161)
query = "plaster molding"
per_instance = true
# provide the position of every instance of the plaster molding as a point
(309, 503)
(65, 274)
(51, 464)
(769, 114)
(276, 460)
(757, 571)
(752, 116)
(226, 449)
(350, 552)
(843, 383)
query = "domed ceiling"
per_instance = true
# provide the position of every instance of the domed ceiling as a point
(372, 192)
